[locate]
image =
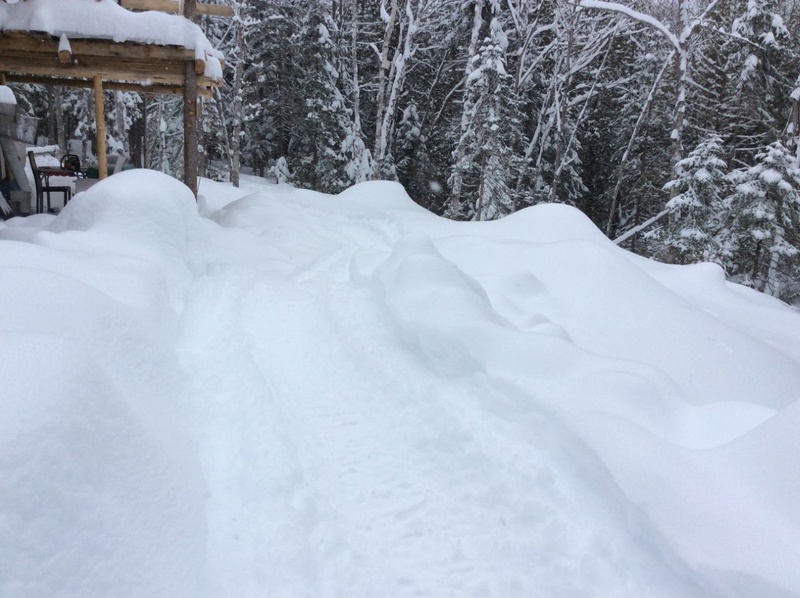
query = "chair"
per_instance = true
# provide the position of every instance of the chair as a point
(41, 188)
(73, 163)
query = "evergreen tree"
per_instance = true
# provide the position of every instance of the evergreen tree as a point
(766, 203)
(760, 67)
(318, 160)
(492, 130)
(697, 230)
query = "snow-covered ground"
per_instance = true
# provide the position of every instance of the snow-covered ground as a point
(298, 395)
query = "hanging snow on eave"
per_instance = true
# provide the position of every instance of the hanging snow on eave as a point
(7, 96)
(63, 44)
(104, 19)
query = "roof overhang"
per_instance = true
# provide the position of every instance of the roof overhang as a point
(31, 57)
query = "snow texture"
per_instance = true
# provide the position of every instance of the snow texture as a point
(290, 394)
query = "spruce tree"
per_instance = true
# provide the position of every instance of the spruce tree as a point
(766, 203)
(697, 229)
(317, 160)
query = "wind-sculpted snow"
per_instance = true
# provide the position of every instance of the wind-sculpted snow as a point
(100, 492)
(309, 395)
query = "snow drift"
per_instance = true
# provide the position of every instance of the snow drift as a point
(306, 395)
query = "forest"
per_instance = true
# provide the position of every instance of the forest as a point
(672, 124)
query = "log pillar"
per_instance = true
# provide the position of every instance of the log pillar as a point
(100, 122)
(190, 159)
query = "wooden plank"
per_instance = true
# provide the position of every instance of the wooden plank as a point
(110, 85)
(215, 10)
(126, 69)
(169, 6)
(143, 77)
(23, 41)
(100, 122)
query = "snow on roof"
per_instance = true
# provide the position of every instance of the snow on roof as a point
(7, 96)
(104, 19)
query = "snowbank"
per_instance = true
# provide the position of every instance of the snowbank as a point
(348, 396)
(101, 491)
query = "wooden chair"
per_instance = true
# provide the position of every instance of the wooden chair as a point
(42, 188)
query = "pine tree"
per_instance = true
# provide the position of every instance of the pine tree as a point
(489, 163)
(767, 227)
(317, 160)
(760, 67)
(697, 227)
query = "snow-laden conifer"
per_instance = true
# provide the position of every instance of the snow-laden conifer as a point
(696, 230)
(766, 203)
(488, 164)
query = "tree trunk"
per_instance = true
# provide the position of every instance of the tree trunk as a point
(460, 154)
(120, 112)
(236, 92)
(61, 137)
(611, 229)
(380, 103)
(354, 68)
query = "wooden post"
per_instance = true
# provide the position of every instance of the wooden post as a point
(190, 112)
(100, 121)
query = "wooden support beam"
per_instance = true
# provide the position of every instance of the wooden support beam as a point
(141, 78)
(158, 69)
(190, 158)
(133, 78)
(203, 89)
(190, 161)
(100, 122)
(173, 7)
(24, 42)
(214, 10)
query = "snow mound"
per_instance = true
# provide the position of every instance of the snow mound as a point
(375, 196)
(138, 215)
(147, 207)
(546, 223)
(348, 396)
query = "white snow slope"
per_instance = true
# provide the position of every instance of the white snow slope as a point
(298, 395)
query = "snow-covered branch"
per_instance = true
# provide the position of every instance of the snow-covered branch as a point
(635, 15)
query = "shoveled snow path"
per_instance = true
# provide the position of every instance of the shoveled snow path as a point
(349, 468)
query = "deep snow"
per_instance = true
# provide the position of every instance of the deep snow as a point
(291, 394)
